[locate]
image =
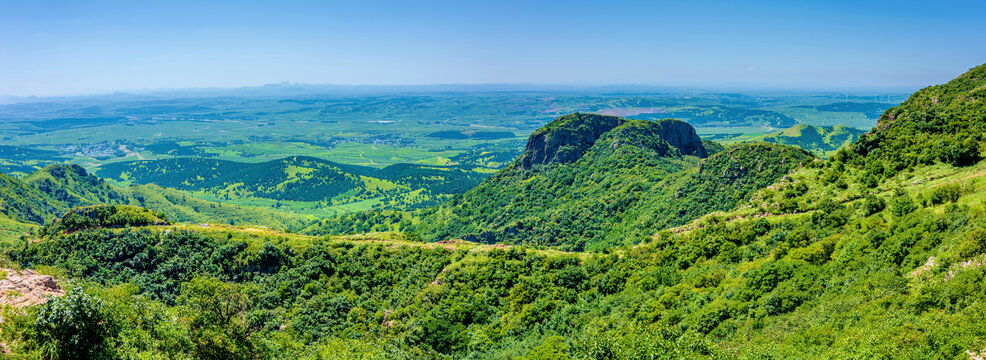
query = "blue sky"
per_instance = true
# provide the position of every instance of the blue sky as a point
(78, 47)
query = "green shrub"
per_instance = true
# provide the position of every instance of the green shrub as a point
(948, 193)
(873, 204)
(902, 204)
(74, 326)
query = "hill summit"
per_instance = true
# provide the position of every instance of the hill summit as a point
(593, 181)
(567, 138)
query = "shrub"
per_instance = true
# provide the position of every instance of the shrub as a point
(553, 348)
(74, 326)
(902, 204)
(948, 193)
(873, 204)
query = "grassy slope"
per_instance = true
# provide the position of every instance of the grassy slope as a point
(48, 193)
(303, 185)
(822, 140)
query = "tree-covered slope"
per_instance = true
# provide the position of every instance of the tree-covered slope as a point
(24, 203)
(938, 123)
(297, 178)
(72, 185)
(829, 261)
(821, 140)
(47, 194)
(721, 181)
(583, 174)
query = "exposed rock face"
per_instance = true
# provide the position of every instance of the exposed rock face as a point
(27, 288)
(567, 138)
(682, 136)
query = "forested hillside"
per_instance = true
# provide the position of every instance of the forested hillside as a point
(300, 178)
(877, 252)
(941, 123)
(821, 140)
(591, 181)
(47, 194)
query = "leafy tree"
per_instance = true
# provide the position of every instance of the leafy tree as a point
(553, 348)
(215, 311)
(902, 204)
(74, 326)
(873, 204)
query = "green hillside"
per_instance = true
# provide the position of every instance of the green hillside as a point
(821, 140)
(24, 203)
(940, 123)
(878, 252)
(300, 178)
(590, 181)
(48, 193)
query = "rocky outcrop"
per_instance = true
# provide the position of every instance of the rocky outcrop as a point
(682, 136)
(566, 139)
(27, 288)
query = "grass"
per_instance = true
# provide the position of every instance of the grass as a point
(11, 230)
(917, 184)
(312, 208)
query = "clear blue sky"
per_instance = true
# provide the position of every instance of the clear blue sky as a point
(75, 47)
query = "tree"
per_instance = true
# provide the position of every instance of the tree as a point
(215, 312)
(553, 348)
(74, 326)
(902, 204)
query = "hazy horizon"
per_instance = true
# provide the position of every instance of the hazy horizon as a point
(59, 48)
(356, 89)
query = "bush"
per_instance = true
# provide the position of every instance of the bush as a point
(412, 236)
(74, 326)
(553, 348)
(948, 193)
(902, 204)
(816, 253)
(873, 204)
